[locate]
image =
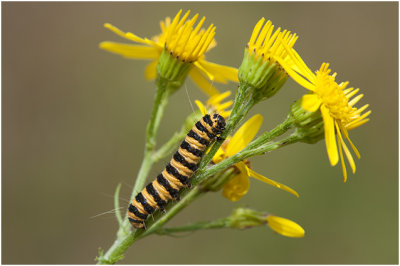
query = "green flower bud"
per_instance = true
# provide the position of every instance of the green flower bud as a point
(243, 218)
(262, 77)
(309, 125)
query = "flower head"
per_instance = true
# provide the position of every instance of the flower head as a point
(238, 186)
(183, 42)
(260, 68)
(335, 103)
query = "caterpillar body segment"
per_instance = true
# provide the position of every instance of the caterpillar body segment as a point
(176, 175)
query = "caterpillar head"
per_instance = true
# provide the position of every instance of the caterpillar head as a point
(218, 123)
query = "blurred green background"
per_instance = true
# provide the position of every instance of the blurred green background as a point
(74, 118)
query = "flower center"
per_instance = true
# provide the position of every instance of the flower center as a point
(333, 97)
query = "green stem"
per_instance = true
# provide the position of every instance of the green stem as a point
(242, 105)
(116, 205)
(244, 154)
(221, 223)
(160, 220)
(276, 132)
(219, 179)
(160, 102)
(159, 105)
(124, 236)
(116, 251)
(170, 146)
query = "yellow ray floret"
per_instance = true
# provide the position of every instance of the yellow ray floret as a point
(268, 44)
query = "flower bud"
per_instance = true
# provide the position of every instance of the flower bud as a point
(243, 218)
(309, 125)
(284, 226)
(263, 77)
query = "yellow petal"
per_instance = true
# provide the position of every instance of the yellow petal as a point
(150, 72)
(256, 30)
(358, 121)
(244, 135)
(238, 186)
(202, 108)
(225, 114)
(355, 100)
(354, 147)
(345, 149)
(350, 92)
(342, 162)
(128, 35)
(218, 156)
(285, 226)
(330, 139)
(271, 182)
(356, 124)
(304, 76)
(346, 135)
(217, 98)
(221, 73)
(221, 107)
(311, 102)
(201, 69)
(131, 51)
(203, 83)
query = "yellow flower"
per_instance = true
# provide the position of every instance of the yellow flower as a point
(183, 42)
(214, 105)
(238, 186)
(259, 67)
(284, 226)
(335, 103)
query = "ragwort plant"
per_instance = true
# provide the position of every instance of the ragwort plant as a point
(327, 112)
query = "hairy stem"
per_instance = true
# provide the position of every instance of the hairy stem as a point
(221, 223)
(124, 236)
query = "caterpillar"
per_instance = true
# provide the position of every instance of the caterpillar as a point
(176, 175)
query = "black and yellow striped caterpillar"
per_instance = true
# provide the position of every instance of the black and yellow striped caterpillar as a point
(178, 171)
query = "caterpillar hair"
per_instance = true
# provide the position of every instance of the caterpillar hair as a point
(176, 175)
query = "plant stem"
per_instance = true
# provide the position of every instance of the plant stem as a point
(116, 205)
(170, 146)
(125, 237)
(160, 220)
(244, 154)
(242, 105)
(221, 223)
(276, 132)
